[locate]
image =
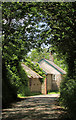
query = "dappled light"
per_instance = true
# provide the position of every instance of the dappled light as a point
(34, 108)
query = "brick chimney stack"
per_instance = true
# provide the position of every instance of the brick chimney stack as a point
(51, 56)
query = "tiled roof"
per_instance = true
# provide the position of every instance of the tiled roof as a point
(30, 73)
(48, 65)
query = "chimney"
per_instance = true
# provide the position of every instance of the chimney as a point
(51, 58)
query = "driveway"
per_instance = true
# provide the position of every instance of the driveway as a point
(40, 107)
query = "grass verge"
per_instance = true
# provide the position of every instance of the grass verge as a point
(53, 92)
(31, 94)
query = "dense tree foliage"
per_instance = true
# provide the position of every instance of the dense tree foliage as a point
(19, 36)
(36, 55)
(60, 18)
(16, 44)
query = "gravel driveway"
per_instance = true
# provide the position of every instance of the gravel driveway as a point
(40, 107)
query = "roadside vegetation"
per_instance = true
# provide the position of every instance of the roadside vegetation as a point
(54, 92)
(35, 67)
(31, 94)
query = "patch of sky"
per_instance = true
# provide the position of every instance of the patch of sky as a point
(4, 21)
(42, 46)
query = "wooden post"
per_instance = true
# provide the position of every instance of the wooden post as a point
(46, 85)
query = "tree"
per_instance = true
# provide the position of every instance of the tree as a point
(16, 44)
(60, 17)
(58, 28)
(36, 55)
(20, 34)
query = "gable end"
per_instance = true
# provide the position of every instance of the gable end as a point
(50, 65)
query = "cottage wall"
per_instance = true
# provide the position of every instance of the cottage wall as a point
(49, 82)
(52, 71)
(44, 87)
(53, 84)
(59, 78)
(56, 83)
(35, 85)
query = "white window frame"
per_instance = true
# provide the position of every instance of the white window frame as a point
(53, 77)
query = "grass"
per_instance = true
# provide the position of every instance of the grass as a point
(20, 95)
(31, 94)
(53, 92)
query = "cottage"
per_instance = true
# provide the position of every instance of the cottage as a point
(54, 74)
(34, 83)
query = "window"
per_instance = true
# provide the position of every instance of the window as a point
(53, 77)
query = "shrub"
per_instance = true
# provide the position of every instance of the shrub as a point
(24, 91)
(36, 68)
(9, 91)
(68, 96)
(14, 80)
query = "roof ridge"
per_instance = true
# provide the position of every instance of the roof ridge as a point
(54, 65)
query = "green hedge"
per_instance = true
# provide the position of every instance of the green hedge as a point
(14, 81)
(68, 96)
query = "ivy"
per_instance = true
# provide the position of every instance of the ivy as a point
(35, 67)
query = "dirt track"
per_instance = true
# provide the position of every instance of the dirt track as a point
(41, 107)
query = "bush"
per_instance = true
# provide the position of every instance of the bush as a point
(9, 93)
(36, 68)
(68, 96)
(14, 80)
(24, 91)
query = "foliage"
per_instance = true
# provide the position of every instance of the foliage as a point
(49, 23)
(29, 25)
(35, 67)
(36, 56)
(24, 91)
(60, 18)
(14, 81)
(7, 87)
(16, 42)
(29, 94)
(23, 80)
(60, 61)
(67, 96)
(54, 92)
(64, 39)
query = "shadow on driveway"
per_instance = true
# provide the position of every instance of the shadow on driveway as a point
(34, 108)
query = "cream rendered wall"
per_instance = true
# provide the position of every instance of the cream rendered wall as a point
(56, 83)
(43, 88)
(35, 85)
(58, 79)
(53, 84)
(49, 82)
